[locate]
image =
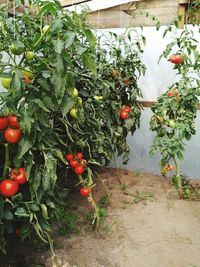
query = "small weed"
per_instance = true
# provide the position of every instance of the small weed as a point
(138, 172)
(142, 197)
(123, 187)
(67, 222)
(170, 205)
(104, 201)
(125, 201)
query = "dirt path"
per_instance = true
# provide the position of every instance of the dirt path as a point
(146, 226)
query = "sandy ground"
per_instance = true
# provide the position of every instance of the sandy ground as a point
(146, 226)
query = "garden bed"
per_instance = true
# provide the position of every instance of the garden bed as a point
(146, 225)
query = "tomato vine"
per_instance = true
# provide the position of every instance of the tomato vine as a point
(176, 109)
(59, 85)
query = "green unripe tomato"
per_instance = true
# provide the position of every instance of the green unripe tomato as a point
(6, 82)
(27, 74)
(29, 55)
(164, 113)
(80, 101)
(75, 92)
(98, 98)
(45, 28)
(73, 113)
(15, 50)
(171, 123)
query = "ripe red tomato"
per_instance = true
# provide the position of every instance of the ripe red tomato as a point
(17, 231)
(69, 157)
(12, 135)
(79, 170)
(169, 168)
(13, 122)
(9, 188)
(127, 109)
(124, 114)
(73, 163)
(19, 175)
(79, 155)
(82, 163)
(172, 93)
(115, 73)
(176, 59)
(85, 191)
(126, 81)
(27, 80)
(3, 122)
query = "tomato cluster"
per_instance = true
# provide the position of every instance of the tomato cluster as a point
(76, 162)
(169, 168)
(9, 187)
(10, 125)
(124, 113)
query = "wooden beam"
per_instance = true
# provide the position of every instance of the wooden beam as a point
(181, 13)
(72, 2)
(149, 103)
(133, 14)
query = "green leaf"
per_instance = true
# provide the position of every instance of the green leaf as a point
(58, 45)
(91, 38)
(69, 38)
(7, 214)
(67, 104)
(40, 104)
(57, 25)
(89, 63)
(44, 211)
(21, 212)
(24, 145)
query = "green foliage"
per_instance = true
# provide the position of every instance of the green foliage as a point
(176, 109)
(67, 221)
(66, 55)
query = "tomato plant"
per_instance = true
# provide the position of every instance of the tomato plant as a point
(67, 99)
(175, 111)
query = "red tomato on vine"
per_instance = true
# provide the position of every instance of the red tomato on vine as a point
(19, 175)
(12, 135)
(3, 123)
(85, 191)
(13, 121)
(9, 188)
(176, 59)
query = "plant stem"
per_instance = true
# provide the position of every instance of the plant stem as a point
(6, 164)
(178, 177)
(118, 173)
(105, 187)
(96, 210)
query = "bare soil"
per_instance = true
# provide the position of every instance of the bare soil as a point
(147, 225)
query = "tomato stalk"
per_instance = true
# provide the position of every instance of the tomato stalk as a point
(118, 173)
(96, 211)
(6, 164)
(178, 176)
